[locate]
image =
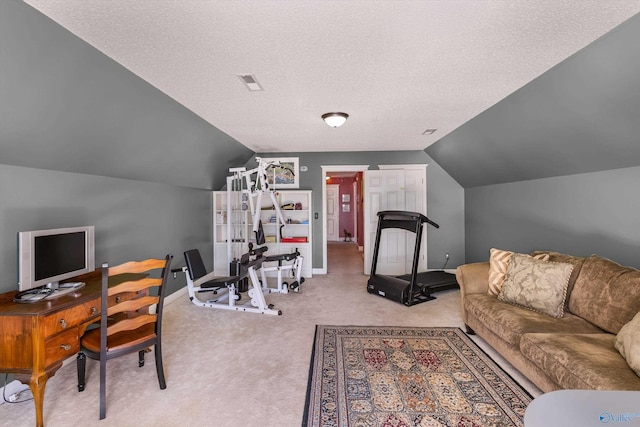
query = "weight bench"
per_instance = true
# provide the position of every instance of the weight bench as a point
(225, 289)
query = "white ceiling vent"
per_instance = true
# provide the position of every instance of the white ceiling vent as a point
(250, 82)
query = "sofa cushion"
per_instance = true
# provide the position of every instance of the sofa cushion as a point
(510, 322)
(628, 343)
(606, 293)
(536, 285)
(498, 263)
(580, 361)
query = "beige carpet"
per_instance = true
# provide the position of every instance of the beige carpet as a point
(231, 368)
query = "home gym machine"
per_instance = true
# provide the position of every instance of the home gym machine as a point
(224, 291)
(245, 191)
(416, 287)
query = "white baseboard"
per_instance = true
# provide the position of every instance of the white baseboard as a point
(176, 295)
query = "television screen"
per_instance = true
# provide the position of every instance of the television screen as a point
(59, 253)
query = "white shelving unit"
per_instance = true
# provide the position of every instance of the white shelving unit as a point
(236, 224)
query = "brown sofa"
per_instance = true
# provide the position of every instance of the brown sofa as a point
(575, 351)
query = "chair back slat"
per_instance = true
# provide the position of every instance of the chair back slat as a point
(135, 285)
(131, 324)
(134, 288)
(137, 266)
(133, 305)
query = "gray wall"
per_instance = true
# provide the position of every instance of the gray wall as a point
(580, 116)
(555, 165)
(134, 220)
(578, 214)
(66, 106)
(445, 198)
(85, 141)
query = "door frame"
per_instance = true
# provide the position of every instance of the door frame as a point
(325, 169)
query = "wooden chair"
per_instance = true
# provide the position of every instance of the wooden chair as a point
(127, 324)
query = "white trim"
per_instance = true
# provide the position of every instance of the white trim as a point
(175, 295)
(325, 169)
(411, 166)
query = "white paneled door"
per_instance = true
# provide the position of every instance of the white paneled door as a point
(333, 213)
(393, 189)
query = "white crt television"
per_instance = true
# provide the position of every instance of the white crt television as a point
(46, 257)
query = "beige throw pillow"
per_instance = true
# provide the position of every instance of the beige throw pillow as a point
(536, 284)
(628, 343)
(498, 263)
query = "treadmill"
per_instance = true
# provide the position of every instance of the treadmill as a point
(416, 287)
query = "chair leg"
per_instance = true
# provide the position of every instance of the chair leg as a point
(103, 388)
(141, 358)
(81, 363)
(159, 367)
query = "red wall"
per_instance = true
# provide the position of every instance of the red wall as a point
(346, 218)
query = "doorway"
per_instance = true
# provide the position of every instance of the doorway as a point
(344, 258)
(351, 206)
(414, 194)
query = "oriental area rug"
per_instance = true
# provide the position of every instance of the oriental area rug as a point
(400, 376)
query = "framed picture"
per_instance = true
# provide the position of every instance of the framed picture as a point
(346, 207)
(346, 198)
(285, 176)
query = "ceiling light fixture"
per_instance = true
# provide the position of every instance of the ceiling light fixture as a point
(335, 119)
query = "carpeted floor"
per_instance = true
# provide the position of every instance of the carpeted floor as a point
(399, 376)
(230, 368)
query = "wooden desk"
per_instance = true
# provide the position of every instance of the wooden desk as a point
(36, 338)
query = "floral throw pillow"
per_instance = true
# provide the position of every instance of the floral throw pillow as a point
(498, 263)
(536, 284)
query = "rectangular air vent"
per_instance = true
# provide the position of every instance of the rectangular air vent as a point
(250, 82)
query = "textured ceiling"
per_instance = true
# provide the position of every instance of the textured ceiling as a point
(396, 67)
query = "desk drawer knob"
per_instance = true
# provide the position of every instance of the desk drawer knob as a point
(63, 323)
(65, 347)
(118, 299)
(93, 311)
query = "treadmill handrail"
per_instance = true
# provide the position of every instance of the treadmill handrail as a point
(389, 216)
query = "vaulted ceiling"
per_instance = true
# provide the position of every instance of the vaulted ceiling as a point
(397, 68)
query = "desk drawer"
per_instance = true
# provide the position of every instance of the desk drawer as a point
(70, 317)
(61, 346)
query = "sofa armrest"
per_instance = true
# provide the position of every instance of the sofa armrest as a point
(473, 278)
